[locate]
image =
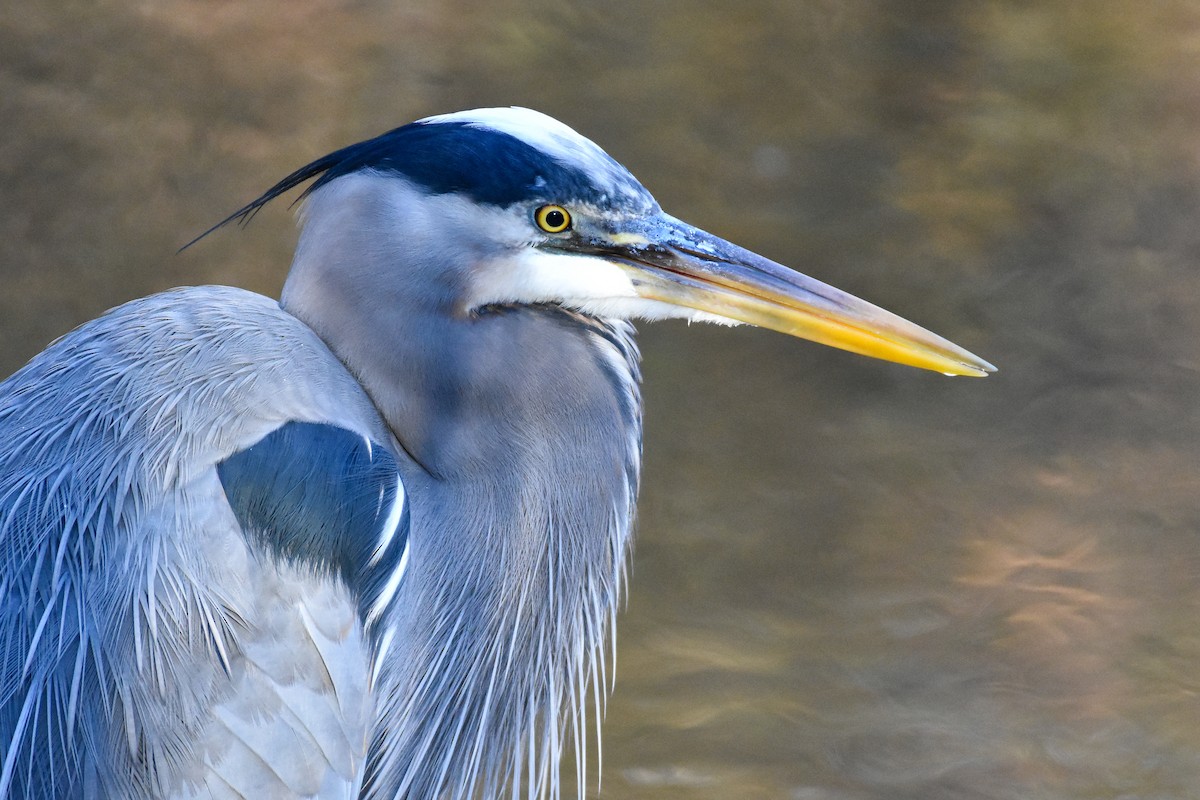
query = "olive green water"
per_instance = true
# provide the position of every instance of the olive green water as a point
(853, 580)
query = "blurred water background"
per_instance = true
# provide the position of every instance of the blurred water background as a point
(853, 580)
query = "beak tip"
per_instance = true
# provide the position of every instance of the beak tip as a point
(976, 367)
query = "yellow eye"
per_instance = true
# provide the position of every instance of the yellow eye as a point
(552, 219)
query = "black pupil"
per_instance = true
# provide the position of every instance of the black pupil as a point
(555, 219)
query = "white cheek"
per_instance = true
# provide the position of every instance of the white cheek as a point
(584, 283)
(535, 276)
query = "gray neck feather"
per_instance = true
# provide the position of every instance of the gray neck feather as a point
(523, 425)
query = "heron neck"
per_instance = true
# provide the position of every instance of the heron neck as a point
(523, 425)
(518, 554)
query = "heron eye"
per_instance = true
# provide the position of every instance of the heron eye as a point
(552, 219)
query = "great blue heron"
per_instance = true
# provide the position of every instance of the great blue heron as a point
(366, 541)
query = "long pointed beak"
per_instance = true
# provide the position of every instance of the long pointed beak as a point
(673, 262)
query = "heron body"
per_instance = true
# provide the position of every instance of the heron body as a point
(366, 541)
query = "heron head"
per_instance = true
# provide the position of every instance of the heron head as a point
(534, 213)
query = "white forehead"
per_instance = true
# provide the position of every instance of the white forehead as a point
(532, 127)
(555, 139)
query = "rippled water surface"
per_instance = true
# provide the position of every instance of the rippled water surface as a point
(853, 580)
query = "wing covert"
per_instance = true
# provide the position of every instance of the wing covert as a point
(326, 496)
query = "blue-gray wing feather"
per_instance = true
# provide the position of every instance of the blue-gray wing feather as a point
(129, 569)
(323, 495)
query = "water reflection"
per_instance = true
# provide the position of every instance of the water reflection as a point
(853, 580)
